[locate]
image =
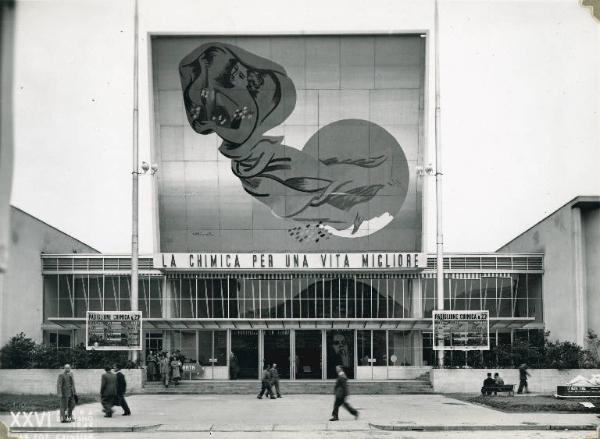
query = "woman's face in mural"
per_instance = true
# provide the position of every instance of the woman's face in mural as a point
(226, 96)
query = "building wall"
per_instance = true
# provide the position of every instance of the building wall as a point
(591, 238)
(23, 293)
(471, 380)
(569, 239)
(553, 237)
(43, 381)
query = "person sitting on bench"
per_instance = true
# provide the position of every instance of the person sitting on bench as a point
(489, 385)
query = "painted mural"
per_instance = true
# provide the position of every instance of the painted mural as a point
(288, 143)
(328, 185)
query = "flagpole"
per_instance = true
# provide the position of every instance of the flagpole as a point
(135, 177)
(438, 180)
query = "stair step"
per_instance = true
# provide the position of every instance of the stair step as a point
(395, 387)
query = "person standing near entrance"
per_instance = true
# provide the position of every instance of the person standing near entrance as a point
(121, 389)
(523, 374)
(266, 384)
(341, 393)
(275, 379)
(234, 366)
(65, 388)
(108, 392)
(164, 366)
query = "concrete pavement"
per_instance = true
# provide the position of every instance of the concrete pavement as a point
(182, 414)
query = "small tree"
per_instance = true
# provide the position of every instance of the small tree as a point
(564, 355)
(18, 352)
(592, 353)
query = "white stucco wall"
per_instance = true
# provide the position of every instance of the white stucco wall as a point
(23, 287)
(43, 381)
(471, 380)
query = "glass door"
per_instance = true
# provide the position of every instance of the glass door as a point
(372, 355)
(340, 351)
(244, 352)
(277, 350)
(212, 356)
(308, 362)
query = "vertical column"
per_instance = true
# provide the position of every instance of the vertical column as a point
(261, 351)
(355, 338)
(323, 354)
(416, 292)
(417, 348)
(228, 348)
(292, 354)
(579, 270)
(166, 299)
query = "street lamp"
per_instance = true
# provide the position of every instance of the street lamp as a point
(135, 254)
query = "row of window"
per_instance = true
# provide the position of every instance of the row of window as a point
(518, 295)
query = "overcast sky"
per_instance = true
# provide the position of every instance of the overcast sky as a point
(520, 101)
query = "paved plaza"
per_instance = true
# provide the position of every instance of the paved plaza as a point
(244, 416)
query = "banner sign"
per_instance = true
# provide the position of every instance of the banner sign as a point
(113, 330)
(284, 261)
(461, 330)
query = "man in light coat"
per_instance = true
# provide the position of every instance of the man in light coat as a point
(65, 388)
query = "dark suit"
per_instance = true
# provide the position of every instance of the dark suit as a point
(108, 392)
(266, 385)
(489, 386)
(275, 381)
(341, 393)
(65, 388)
(121, 389)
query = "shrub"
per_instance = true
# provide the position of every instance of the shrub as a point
(17, 352)
(22, 352)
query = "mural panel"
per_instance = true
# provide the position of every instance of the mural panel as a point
(289, 143)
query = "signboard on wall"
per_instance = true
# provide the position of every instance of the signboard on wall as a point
(461, 330)
(296, 261)
(113, 330)
(272, 143)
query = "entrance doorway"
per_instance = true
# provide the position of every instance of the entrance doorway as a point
(244, 345)
(277, 350)
(212, 354)
(308, 364)
(340, 351)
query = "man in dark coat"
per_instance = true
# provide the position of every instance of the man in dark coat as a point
(65, 388)
(341, 393)
(523, 374)
(275, 379)
(489, 385)
(266, 383)
(108, 392)
(121, 389)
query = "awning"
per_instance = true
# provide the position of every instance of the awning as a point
(421, 324)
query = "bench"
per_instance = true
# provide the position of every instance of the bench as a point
(508, 388)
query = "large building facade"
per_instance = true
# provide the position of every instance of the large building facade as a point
(376, 322)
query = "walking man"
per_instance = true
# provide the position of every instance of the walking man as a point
(275, 379)
(164, 369)
(266, 384)
(121, 388)
(65, 388)
(523, 374)
(108, 392)
(341, 393)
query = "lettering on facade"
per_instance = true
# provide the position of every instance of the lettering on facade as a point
(279, 261)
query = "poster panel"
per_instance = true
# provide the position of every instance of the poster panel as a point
(279, 143)
(113, 330)
(461, 330)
